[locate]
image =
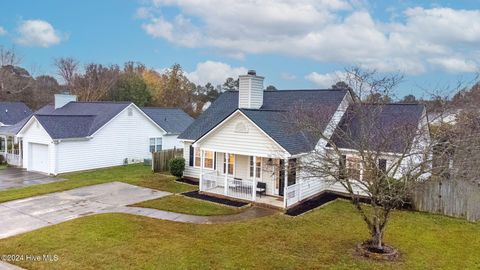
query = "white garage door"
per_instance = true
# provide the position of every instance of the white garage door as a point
(38, 157)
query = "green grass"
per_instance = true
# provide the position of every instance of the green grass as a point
(321, 239)
(182, 204)
(136, 174)
(3, 166)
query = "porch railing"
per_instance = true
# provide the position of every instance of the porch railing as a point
(13, 157)
(241, 189)
(237, 188)
(292, 194)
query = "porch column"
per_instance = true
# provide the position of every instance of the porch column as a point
(285, 182)
(225, 187)
(254, 183)
(201, 170)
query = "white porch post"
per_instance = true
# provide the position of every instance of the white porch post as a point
(201, 170)
(225, 187)
(254, 183)
(285, 181)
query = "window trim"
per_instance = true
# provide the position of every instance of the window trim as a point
(225, 167)
(250, 174)
(195, 151)
(155, 144)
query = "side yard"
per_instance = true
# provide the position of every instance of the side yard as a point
(321, 239)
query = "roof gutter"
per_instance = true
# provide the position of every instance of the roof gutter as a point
(72, 139)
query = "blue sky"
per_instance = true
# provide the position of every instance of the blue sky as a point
(294, 44)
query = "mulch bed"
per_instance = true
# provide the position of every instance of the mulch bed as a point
(196, 195)
(187, 181)
(316, 202)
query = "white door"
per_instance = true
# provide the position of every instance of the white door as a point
(38, 157)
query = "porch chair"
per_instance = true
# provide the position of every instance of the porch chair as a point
(261, 188)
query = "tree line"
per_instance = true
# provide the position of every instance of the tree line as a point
(97, 82)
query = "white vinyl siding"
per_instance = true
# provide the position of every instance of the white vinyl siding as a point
(124, 137)
(190, 171)
(227, 139)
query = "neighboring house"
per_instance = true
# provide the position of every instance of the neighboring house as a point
(243, 139)
(72, 136)
(11, 113)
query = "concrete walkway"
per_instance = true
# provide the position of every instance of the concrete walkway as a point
(29, 214)
(251, 213)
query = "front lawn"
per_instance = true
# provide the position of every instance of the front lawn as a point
(321, 239)
(182, 204)
(136, 174)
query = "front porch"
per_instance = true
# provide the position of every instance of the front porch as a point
(11, 150)
(245, 177)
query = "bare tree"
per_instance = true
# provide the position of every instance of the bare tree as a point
(9, 57)
(66, 68)
(96, 83)
(377, 152)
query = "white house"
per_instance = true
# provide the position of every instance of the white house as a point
(72, 136)
(242, 143)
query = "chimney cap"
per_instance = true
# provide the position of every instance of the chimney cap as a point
(252, 72)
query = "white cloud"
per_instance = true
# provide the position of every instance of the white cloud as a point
(325, 80)
(2, 31)
(37, 33)
(338, 31)
(214, 72)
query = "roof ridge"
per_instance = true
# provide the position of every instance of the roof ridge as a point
(105, 102)
(68, 115)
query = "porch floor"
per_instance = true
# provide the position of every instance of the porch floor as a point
(264, 199)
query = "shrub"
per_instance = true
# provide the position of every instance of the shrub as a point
(177, 166)
(2, 159)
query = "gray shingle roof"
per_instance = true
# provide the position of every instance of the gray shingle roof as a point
(386, 128)
(172, 120)
(78, 119)
(13, 112)
(271, 116)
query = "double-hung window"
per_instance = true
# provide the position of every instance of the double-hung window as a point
(258, 167)
(155, 144)
(209, 159)
(231, 163)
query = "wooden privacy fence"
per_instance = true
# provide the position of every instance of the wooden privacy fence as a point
(161, 159)
(449, 197)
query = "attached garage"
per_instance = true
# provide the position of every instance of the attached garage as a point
(38, 157)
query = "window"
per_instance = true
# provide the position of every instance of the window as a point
(231, 163)
(2, 144)
(292, 171)
(342, 164)
(197, 157)
(382, 165)
(258, 167)
(191, 156)
(209, 159)
(155, 144)
(353, 168)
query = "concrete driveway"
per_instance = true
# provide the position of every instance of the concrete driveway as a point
(36, 212)
(15, 178)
